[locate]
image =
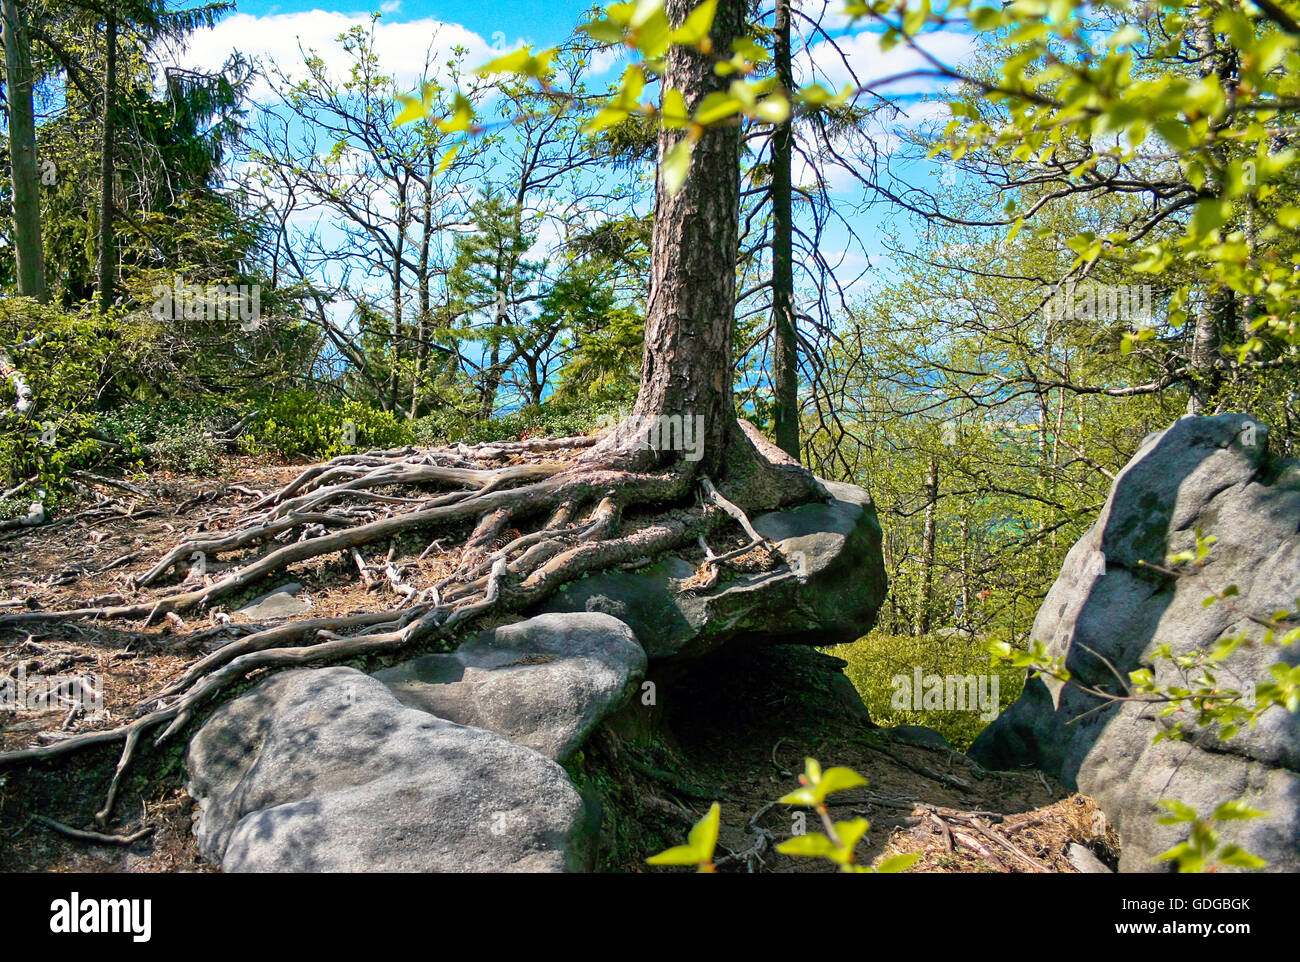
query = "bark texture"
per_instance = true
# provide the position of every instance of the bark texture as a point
(28, 252)
(687, 366)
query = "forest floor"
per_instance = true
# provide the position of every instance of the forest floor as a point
(737, 730)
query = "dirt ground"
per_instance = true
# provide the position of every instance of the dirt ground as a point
(735, 728)
(741, 724)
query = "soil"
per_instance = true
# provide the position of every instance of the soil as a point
(733, 728)
(736, 728)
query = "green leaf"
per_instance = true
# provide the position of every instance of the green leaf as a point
(694, 30)
(1178, 812)
(814, 844)
(774, 109)
(1235, 809)
(898, 863)
(715, 107)
(520, 61)
(1237, 857)
(413, 108)
(701, 842)
(448, 158)
(676, 165)
(673, 112)
(838, 779)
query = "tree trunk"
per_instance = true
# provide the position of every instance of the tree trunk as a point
(1217, 313)
(1212, 318)
(686, 369)
(423, 328)
(927, 549)
(395, 325)
(28, 251)
(106, 253)
(785, 356)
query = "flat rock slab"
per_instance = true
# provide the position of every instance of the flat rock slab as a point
(280, 603)
(544, 683)
(830, 594)
(324, 770)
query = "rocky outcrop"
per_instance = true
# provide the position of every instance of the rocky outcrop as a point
(448, 762)
(829, 595)
(544, 683)
(325, 770)
(1212, 473)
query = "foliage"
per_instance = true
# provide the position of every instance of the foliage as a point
(302, 423)
(1203, 850)
(838, 844)
(875, 660)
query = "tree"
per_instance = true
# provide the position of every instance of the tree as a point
(785, 356)
(489, 278)
(28, 248)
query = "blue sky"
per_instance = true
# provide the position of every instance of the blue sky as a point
(538, 21)
(409, 29)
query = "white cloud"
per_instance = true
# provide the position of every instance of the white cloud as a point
(280, 39)
(859, 55)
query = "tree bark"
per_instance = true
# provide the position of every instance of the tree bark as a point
(785, 357)
(28, 251)
(1216, 316)
(686, 369)
(926, 590)
(106, 252)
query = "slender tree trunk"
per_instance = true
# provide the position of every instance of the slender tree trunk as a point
(107, 257)
(686, 369)
(395, 325)
(966, 620)
(785, 354)
(28, 251)
(1217, 313)
(422, 331)
(926, 590)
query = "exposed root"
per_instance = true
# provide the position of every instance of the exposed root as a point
(592, 517)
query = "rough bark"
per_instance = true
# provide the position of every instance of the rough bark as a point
(926, 590)
(686, 369)
(28, 251)
(107, 258)
(785, 371)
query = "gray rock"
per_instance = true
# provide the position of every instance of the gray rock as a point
(544, 683)
(1201, 472)
(1085, 862)
(830, 595)
(323, 770)
(280, 603)
(918, 735)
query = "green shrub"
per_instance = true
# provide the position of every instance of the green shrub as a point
(543, 420)
(302, 423)
(874, 661)
(187, 449)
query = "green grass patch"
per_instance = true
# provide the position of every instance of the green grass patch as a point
(877, 660)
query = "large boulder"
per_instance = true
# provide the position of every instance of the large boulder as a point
(544, 683)
(1212, 473)
(320, 770)
(829, 595)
